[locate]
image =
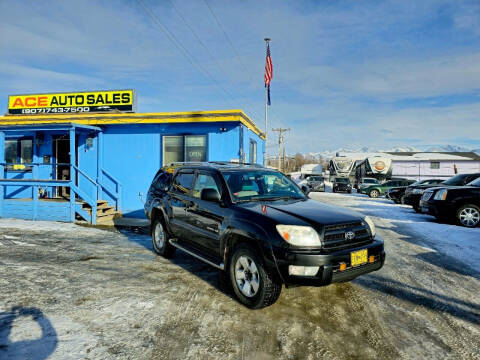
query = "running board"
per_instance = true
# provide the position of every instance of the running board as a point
(174, 242)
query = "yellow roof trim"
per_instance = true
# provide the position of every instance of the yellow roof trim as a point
(135, 118)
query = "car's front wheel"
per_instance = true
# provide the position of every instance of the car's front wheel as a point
(469, 215)
(160, 239)
(251, 282)
(374, 193)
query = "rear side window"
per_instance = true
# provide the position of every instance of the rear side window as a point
(204, 181)
(161, 182)
(183, 183)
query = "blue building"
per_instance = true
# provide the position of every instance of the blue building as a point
(93, 166)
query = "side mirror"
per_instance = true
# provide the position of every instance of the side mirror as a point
(305, 190)
(210, 194)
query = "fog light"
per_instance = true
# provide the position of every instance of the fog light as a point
(303, 270)
(343, 266)
(371, 258)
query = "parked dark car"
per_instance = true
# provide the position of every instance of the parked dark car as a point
(414, 192)
(316, 183)
(459, 203)
(259, 229)
(376, 190)
(396, 194)
(342, 184)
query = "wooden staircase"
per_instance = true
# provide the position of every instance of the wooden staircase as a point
(106, 213)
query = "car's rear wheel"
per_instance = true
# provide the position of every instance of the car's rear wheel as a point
(417, 208)
(160, 238)
(253, 285)
(374, 193)
(469, 215)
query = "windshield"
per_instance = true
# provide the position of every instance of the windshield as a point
(261, 185)
(315, 178)
(370, 181)
(475, 182)
(342, 180)
(456, 180)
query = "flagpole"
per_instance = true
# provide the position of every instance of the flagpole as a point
(267, 40)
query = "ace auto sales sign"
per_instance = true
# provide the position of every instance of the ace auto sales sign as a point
(74, 102)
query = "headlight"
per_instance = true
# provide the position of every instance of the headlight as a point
(299, 235)
(371, 225)
(418, 191)
(441, 194)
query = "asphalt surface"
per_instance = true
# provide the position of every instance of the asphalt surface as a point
(70, 292)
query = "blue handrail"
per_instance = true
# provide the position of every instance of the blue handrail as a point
(117, 194)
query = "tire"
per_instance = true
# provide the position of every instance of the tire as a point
(417, 208)
(245, 267)
(468, 215)
(161, 246)
(374, 193)
(396, 201)
(349, 191)
(333, 190)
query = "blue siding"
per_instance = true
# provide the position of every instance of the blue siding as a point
(133, 154)
(47, 210)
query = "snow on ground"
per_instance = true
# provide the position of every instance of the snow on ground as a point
(458, 242)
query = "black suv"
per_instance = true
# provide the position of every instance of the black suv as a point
(414, 192)
(315, 183)
(259, 229)
(461, 203)
(342, 184)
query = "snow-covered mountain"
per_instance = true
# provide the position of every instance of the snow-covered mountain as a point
(327, 154)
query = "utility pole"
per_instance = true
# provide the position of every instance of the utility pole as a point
(280, 143)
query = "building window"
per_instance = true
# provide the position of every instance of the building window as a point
(253, 152)
(195, 148)
(18, 151)
(435, 165)
(184, 148)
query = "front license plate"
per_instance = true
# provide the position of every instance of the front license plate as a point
(358, 257)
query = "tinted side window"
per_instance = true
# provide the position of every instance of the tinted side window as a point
(204, 181)
(470, 178)
(183, 183)
(161, 181)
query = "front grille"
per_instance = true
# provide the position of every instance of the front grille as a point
(427, 195)
(334, 237)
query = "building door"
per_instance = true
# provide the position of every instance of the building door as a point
(61, 153)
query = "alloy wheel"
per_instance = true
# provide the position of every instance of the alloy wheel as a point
(469, 217)
(159, 236)
(247, 276)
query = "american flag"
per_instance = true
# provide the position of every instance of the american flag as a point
(268, 73)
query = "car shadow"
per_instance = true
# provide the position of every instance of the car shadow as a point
(36, 348)
(208, 274)
(458, 308)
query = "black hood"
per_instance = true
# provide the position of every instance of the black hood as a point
(303, 211)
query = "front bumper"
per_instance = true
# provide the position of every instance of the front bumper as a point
(412, 199)
(329, 265)
(437, 208)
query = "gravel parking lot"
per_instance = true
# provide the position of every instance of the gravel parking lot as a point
(72, 292)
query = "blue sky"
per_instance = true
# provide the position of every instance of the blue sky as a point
(346, 73)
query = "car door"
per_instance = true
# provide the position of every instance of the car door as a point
(179, 197)
(206, 217)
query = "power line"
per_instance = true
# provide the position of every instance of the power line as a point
(230, 42)
(173, 39)
(212, 56)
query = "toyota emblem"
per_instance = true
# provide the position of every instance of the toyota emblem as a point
(349, 235)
